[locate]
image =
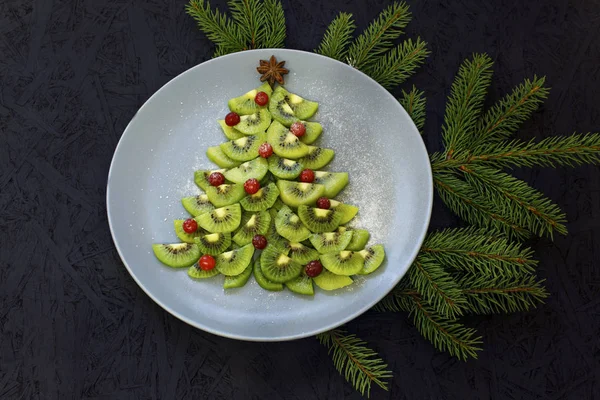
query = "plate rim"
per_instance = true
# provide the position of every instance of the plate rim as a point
(365, 307)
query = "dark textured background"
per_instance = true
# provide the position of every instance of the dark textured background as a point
(74, 325)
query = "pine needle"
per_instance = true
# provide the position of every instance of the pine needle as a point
(360, 365)
(414, 103)
(272, 30)
(337, 37)
(248, 14)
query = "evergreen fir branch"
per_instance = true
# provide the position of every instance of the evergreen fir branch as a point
(503, 120)
(446, 334)
(399, 298)
(414, 103)
(530, 208)
(379, 36)
(337, 37)
(436, 286)
(398, 64)
(465, 202)
(249, 15)
(465, 103)
(272, 31)
(360, 365)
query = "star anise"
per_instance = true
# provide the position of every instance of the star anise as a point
(272, 71)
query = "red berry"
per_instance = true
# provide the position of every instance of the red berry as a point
(207, 262)
(313, 268)
(216, 179)
(307, 175)
(298, 128)
(261, 98)
(265, 150)
(232, 119)
(190, 225)
(259, 242)
(251, 186)
(324, 203)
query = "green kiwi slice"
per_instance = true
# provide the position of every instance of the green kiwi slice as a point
(348, 211)
(183, 235)
(373, 258)
(252, 224)
(278, 267)
(285, 143)
(295, 194)
(330, 242)
(216, 155)
(196, 272)
(287, 107)
(234, 262)
(289, 225)
(301, 285)
(243, 149)
(177, 255)
(284, 168)
(245, 103)
(224, 219)
(201, 177)
(261, 200)
(334, 182)
(197, 205)
(229, 131)
(317, 157)
(256, 168)
(313, 131)
(225, 194)
(319, 220)
(274, 239)
(237, 281)
(262, 281)
(213, 243)
(278, 204)
(301, 253)
(330, 281)
(343, 263)
(254, 123)
(360, 237)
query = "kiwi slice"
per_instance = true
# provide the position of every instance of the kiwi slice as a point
(319, 220)
(348, 211)
(243, 149)
(245, 103)
(240, 280)
(373, 257)
(224, 219)
(278, 204)
(183, 235)
(214, 243)
(201, 177)
(177, 255)
(343, 263)
(330, 242)
(287, 107)
(297, 193)
(198, 273)
(278, 267)
(284, 168)
(330, 281)
(256, 168)
(301, 253)
(317, 157)
(216, 155)
(197, 205)
(289, 225)
(360, 237)
(334, 182)
(225, 194)
(262, 281)
(252, 224)
(229, 131)
(301, 285)
(254, 123)
(261, 200)
(274, 239)
(285, 143)
(234, 262)
(313, 131)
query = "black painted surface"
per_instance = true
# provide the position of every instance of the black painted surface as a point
(74, 324)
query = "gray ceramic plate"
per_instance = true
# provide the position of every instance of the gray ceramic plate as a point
(153, 167)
